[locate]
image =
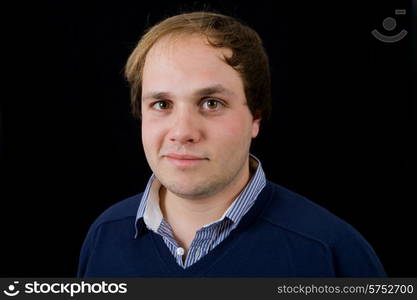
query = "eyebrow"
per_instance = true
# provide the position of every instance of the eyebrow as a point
(210, 90)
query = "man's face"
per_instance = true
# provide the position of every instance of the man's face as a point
(196, 125)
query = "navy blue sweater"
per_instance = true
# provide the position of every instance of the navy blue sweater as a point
(282, 235)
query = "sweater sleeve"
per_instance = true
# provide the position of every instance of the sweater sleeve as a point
(86, 251)
(353, 256)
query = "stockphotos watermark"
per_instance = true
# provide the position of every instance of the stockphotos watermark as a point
(389, 25)
(64, 288)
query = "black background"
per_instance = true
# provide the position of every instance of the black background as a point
(341, 133)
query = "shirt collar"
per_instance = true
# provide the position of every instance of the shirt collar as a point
(149, 212)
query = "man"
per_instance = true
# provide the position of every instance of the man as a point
(200, 85)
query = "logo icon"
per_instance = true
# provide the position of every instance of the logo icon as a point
(11, 290)
(389, 24)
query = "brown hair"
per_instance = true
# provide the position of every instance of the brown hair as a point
(249, 57)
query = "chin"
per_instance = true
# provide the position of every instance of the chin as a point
(191, 190)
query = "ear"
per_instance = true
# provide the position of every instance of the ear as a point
(256, 124)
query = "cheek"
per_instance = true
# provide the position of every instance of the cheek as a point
(151, 136)
(233, 131)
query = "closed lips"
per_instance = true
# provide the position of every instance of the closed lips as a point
(184, 157)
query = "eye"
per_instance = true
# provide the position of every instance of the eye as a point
(160, 105)
(212, 104)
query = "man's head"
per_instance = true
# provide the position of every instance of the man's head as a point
(200, 84)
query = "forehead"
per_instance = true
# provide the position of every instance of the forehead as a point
(188, 61)
(182, 45)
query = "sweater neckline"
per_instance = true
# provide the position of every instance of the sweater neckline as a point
(223, 249)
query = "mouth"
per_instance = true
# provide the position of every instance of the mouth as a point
(183, 160)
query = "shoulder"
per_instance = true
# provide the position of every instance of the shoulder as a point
(294, 212)
(301, 218)
(126, 208)
(121, 211)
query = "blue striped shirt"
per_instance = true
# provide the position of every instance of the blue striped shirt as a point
(210, 235)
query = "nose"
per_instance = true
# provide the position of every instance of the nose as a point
(185, 127)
